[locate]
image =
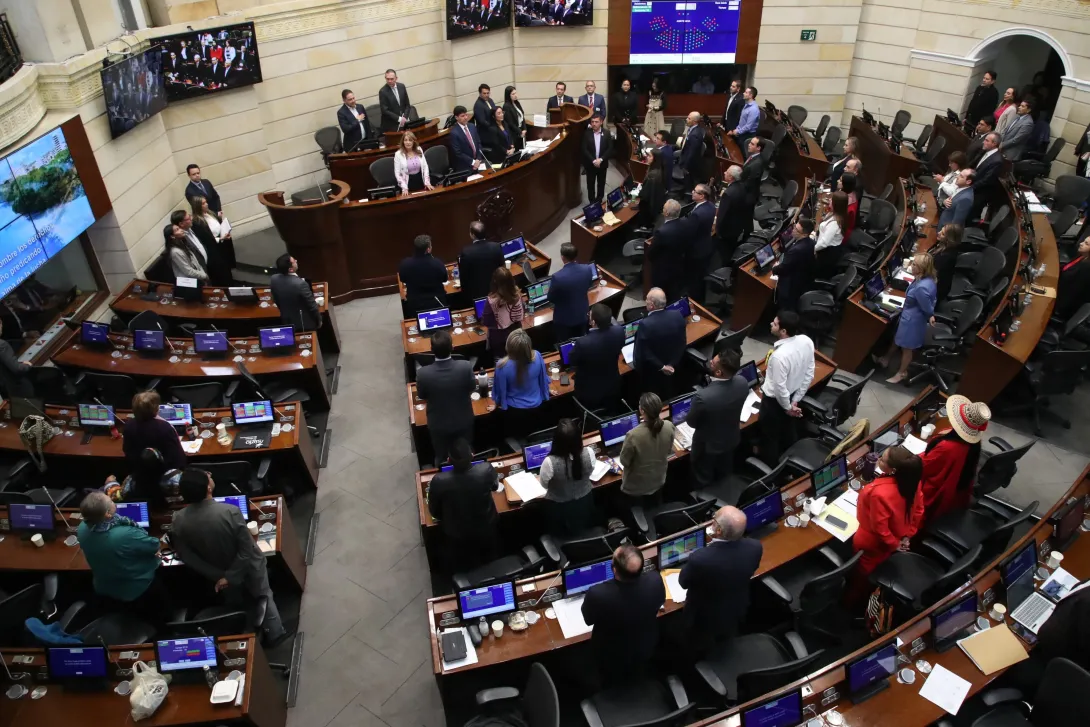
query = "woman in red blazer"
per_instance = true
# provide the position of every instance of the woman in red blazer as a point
(951, 458)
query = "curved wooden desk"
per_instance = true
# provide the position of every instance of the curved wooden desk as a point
(881, 165)
(541, 266)
(800, 156)
(956, 140)
(354, 168)
(637, 167)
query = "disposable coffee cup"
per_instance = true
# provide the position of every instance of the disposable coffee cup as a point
(507, 263)
(38, 540)
(497, 628)
(1055, 559)
(998, 612)
(804, 519)
(252, 527)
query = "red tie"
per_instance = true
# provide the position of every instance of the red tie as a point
(469, 136)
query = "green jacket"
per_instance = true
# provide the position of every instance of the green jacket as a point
(123, 559)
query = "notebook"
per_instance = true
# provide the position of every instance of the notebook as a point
(993, 649)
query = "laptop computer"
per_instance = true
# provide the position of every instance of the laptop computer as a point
(615, 199)
(135, 511)
(565, 349)
(534, 454)
(766, 258)
(592, 214)
(1026, 605)
(749, 373)
(429, 321)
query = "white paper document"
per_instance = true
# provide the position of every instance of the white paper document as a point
(526, 485)
(600, 470)
(541, 120)
(1059, 584)
(753, 403)
(471, 652)
(471, 177)
(629, 352)
(1039, 209)
(677, 593)
(193, 446)
(683, 435)
(1076, 589)
(915, 445)
(569, 614)
(945, 688)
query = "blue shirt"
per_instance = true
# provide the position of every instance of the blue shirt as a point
(531, 393)
(751, 116)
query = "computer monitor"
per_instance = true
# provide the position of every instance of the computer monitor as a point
(177, 414)
(478, 307)
(534, 454)
(869, 674)
(948, 624)
(677, 551)
(388, 192)
(449, 467)
(615, 198)
(679, 408)
(592, 213)
(76, 662)
(135, 511)
(487, 600)
(593, 272)
(96, 415)
(238, 501)
(830, 476)
(31, 518)
(630, 329)
(538, 293)
(433, 320)
(280, 338)
(94, 334)
(628, 184)
(749, 373)
(763, 512)
(874, 287)
(148, 340)
(210, 341)
(614, 430)
(513, 248)
(681, 305)
(188, 289)
(887, 438)
(565, 351)
(782, 711)
(1013, 568)
(186, 654)
(765, 256)
(458, 177)
(585, 577)
(252, 412)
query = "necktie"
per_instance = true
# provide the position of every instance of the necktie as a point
(200, 185)
(469, 136)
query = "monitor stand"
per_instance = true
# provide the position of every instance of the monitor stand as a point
(865, 694)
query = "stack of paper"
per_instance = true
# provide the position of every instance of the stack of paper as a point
(753, 403)
(945, 688)
(525, 485)
(993, 649)
(600, 470)
(610, 219)
(674, 591)
(569, 614)
(842, 509)
(914, 445)
(629, 352)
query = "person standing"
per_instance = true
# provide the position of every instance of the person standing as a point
(512, 110)
(465, 143)
(732, 112)
(988, 168)
(411, 166)
(559, 99)
(789, 372)
(1007, 109)
(597, 150)
(1016, 142)
(624, 104)
(565, 475)
(753, 169)
(645, 454)
(829, 247)
(795, 270)
(477, 261)
(733, 215)
(595, 360)
(945, 256)
(503, 312)
(501, 137)
(461, 500)
(698, 229)
(424, 277)
(665, 251)
(851, 145)
(294, 297)
(522, 384)
(985, 99)
(660, 344)
(956, 207)
(218, 227)
(569, 295)
(692, 149)
(596, 102)
(951, 459)
(355, 126)
(655, 118)
(483, 107)
(918, 311)
(748, 119)
(715, 416)
(199, 187)
(200, 238)
(654, 187)
(446, 386)
(393, 102)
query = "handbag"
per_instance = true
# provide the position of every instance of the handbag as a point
(879, 614)
(35, 431)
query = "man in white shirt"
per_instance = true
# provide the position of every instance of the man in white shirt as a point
(597, 150)
(788, 375)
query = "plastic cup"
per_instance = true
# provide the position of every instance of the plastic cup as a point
(497, 629)
(998, 612)
(38, 540)
(252, 527)
(1055, 559)
(804, 519)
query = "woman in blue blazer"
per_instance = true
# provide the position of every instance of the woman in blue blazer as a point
(918, 312)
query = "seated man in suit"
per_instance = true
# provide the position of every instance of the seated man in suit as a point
(559, 99)
(445, 386)
(353, 122)
(595, 101)
(478, 260)
(293, 296)
(465, 143)
(595, 360)
(666, 249)
(958, 206)
(393, 101)
(424, 277)
(597, 150)
(698, 227)
(692, 149)
(568, 294)
(734, 218)
(715, 418)
(660, 344)
(483, 107)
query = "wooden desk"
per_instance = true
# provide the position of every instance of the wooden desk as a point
(540, 265)
(881, 166)
(861, 328)
(638, 167)
(800, 156)
(956, 140)
(427, 132)
(185, 704)
(237, 319)
(354, 168)
(288, 449)
(586, 239)
(188, 367)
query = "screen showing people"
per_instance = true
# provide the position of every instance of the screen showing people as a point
(205, 61)
(541, 13)
(703, 31)
(133, 90)
(469, 17)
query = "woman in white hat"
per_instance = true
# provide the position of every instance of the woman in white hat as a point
(951, 458)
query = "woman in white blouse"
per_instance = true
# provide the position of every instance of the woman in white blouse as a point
(828, 250)
(410, 166)
(948, 184)
(1007, 110)
(220, 228)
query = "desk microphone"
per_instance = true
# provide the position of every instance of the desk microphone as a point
(256, 507)
(12, 677)
(229, 343)
(215, 642)
(54, 503)
(559, 575)
(106, 648)
(166, 337)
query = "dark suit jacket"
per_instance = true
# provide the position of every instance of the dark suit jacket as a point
(423, 277)
(604, 153)
(693, 151)
(733, 215)
(1073, 290)
(660, 341)
(597, 104)
(945, 261)
(836, 169)
(13, 377)
(215, 72)
(219, 269)
(461, 151)
(715, 414)
(983, 103)
(1067, 632)
(499, 144)
(667, 255)
(716, 579)
(958, 211)
(974, 150)
(391, 109)
(350, 127)
(445, 386)
(795, 272)
(552, 104)
(667, 151)
(986, 181)
(752, 171)
(482, 112)
(698, 227)
(732, 112)
(597, 378)
(624, 615)
(652, 199)
(476, 265)
(568, 294)
(209, 193)
(462, 501)
(295, 299)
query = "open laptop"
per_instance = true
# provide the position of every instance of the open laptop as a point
(682, 306)
(766, 258)
(1026, 605)
(565, 349)
(592, 214)
(429, 321)
(750, 374)
(615, 199)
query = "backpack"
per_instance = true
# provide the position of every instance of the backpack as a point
(36, 431)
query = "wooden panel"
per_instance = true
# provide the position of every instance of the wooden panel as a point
(76, 138)
(619, 34)
(749, 31)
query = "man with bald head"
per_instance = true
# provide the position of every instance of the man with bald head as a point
(660, 344)
(692, 149)
(716, 579)
(733, 215)
(624, 614)
(666, 251)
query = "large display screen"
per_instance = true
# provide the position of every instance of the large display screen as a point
(133, 90)
(543, 13)
(199, 62)
(43, 207)
(470, 17)
(700, 31)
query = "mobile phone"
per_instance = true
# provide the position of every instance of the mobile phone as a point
(836, 521)
(565, 379)
(1023, 633)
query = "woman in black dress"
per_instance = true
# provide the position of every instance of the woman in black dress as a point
(501, 137)
(623, 105)
(945, 255)
(512, 110)
(653, 191)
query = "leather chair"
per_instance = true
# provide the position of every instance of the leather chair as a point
(811, 587)
(51, 384)
(837, 402)
(203, 396)
(595, 544)
(828, 145)
(1034, 165)
(914, 581)
(238, 477)
(797, 114)
(975, 271)
(1000, 219)
(959, 531)
(328, 139)
(947, 337)
(374, 114)
(1070, 189)
(998, 469)
(34, 601)
(113, 629)
(777, 209)
(1059, 337)
(817, 131)
(900, 120)
(116, 390)
(148, 320)
(748, 666)
(702, 353)
(1060, 699)
(927, 160)
(671, 517)
(641, 703)
(160, 270)
(677, 128)
(382, 171)
(807, 455)
(1056, 374)
(508, 568)
(819, 310)
(920, 142)
(438, 159)
(212, 620)
(633, 253)
(538, 703)
(751, 481)
(516, 444)
(271, 390)
(19, 486)
(633, 314)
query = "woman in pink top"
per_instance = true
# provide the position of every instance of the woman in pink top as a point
(503, 311)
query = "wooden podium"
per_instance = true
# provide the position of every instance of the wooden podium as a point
(423, 133)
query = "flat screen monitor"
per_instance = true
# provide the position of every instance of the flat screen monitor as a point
(681, 305)
(614, 430)
(704, 31)
(763, 512)
(148, 340)
(535, 454)
(185, 654)
(565, 351)
(749, 373)
(209, 341)
(133, 90)
(615, 198)
(34, 518)
(96, 415)
(433, 320)
(276, 339)
(135, 511)
(538, 14)
(592, 213)
(830, 476)
(473, 17)
(677, 551)
(94, 334)
(513, 248)
(77, 662)
(593, 273)
(871, 668)
(199, 62)
(177, 414)
(955, 618)
(887, 438)
(43, 207)
(487, 601)
(1016, 566)
(679, 408)
(782, 711)
(630, 329)
(252, 412)
(538, 293)
(875, 286)
(478, 307)
(449, 467)
(583, 578)
(765, 256)
(238, 501)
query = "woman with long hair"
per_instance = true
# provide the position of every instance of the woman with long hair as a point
(215, 252)
(565, 474)
(828, 250)
(951, 458)
(219, 229)
(655, 118)
(1007, 110)
(522, 383)
(503, 310)
(645, 453)
(918, 311)
(410, 166)
(186, 261)
(512, 110)
(653, 190)
(948, 182)
(501, 137)
(945, 256)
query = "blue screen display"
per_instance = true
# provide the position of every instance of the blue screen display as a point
(430, 320)
(700, 31)
(238, 501)
(785, 711)
(91, 332)
(565, 352)
(955, 618)
(486, 601)
(614, 430)
(593, 212)
(209, 341)
(679, 409)
(135, 511)
(878, 664)
(577, 580)
(749, 372)
(80, 662)
(535, 454)
(30, 517)
(681, 305)
(478, 307)
(513, 248)
(148, 340)
(179, 654)
(1023, 561)
(280, 337)
(176, 413)
(875, 286)
(449, 467)
(615, 197)
(766, 510)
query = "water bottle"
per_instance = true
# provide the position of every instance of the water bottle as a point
(210, 678)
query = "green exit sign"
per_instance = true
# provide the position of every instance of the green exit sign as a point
(808, 35)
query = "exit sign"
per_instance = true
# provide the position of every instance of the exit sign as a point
(808, 35)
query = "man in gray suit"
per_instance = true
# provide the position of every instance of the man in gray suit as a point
(1017, 136)
(715, 417)
(211, 538)
(294, 297)
(446, 386)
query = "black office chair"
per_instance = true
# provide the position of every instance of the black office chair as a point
(880, 219)
(996, 223)
(702, 352)
(920, 142)
(238, 474)
(148, 320)
(34, 601)
(748, 666)
(817, 131)
(211, 620)
(641, 703)
(777, 209)
(52, 385)
(752, 481)
(508, 568)
(438, 159)
(837, 402)
(116, 390)
(1034, 165)
(1056, 374)
(975, 271)
(328, 139)
(1060, 699)
(811, 587)
(807, 455)
(946, 337)
(958, 531)
(1059, 337)
(516, 444)
(832, 137)
(633, 314)
(273, 391)
(374, 114)
(203, 396)
(671, 517)
(819, 310)
(677, 128)
(112, 629)
(596, 544)
(998, 468)
(633, 253)
(1070, 189)
(18, 490)
(797, 114)
(900, 120)
(913, 582)
(927, 159)
(382, 171)
(1061, 221)
(538, 704)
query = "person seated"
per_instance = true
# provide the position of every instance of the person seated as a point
(948, 182)
(211, 538)
(594, 359)
(186, 259)
(503, 312)
(945, 256)
(500, 137)
(148, 429)
(424, 277)
(568, 294)
(660, 344)
(795, 270)
(951, 458)
(461, 500)
(829, 248)
(645, 454)
(14, 375)
(477, 261)
(565, 474)
(522, 383)
(1073, 289)
(410, 166)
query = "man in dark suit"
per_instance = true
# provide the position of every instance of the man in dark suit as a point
(597, 149)
(957, 208)
(568, 294)
(976, 144)
(716, 579)
(665, 251)
(446, 386)
(594, 358)
(353, 122)
(559, 99)
(478, 261)
(985, 99)
(733, 110)
(393, 100)
(232, 76)
(734, 216)
(660, 344)
(483, 107)
(1016, 138)
(198, 187)
(666, 147)
(698, 228)
(465, 143)
(692, 149)
(294, 297)
(596, 101)
(13, 374)
(715, 418)
(215, 71)
(988, 170)
(424, 277)
(624, 614)
(461, 500)
(753, 169)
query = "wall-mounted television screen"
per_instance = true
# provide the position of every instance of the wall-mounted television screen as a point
(696, 31)
(470, 17)
(133, 89)
(548, 13)
(199, 62)
(43, 207)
